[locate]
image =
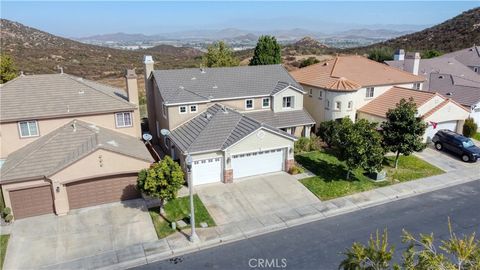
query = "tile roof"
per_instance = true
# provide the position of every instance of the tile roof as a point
(203, 85)
(461, 90)
(469, 56)
(54, 95)
(282, 119)
(350, 73)
(51, 153)
(216, 129)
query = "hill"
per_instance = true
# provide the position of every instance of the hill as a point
(36, 51)
(454, 34)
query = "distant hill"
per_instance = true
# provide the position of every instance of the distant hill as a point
(36, 51)
(457, 33)
(117, 37)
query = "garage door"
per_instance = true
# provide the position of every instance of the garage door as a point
(207, 171)
(257, 163)
(31, 202)
(102, 190)
(431, 130)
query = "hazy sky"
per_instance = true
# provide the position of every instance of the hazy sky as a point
(76, 19)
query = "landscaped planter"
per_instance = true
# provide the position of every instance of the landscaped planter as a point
(378, 176)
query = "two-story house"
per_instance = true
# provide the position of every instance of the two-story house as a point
(63, 138)
(234, 122)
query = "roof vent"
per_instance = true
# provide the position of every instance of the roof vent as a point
(325, 64)
(440, 77)
(74, 125)
(215, 86)
(181, 87)
(202, 70)
(80, 79)
(193, 78)
(208, 116)
(81, 92)
(21, 73)
(449, 94)
(224, 109)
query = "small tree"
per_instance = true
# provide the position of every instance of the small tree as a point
(8, 71)
(267, 52)
(328, 132)
(430, 54)
(309, 61)
(219, 55)
(403, 131)
(161, 181)
(381, 54)
(469, 128)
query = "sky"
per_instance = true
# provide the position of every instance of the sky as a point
(80, 19)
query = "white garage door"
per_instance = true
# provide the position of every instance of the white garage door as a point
(207, 171)
(257, 163)
(451, 125)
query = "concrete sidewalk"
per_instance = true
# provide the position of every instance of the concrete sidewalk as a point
(178, 244)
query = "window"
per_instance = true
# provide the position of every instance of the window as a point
(182, 109)
(193, 108)
(338, 105)
(350, 105)
(475, 69)
(266, 103)
(328, 104)
(370, 92)
(28, 129)
(123, 119)
(416, 86)
(249, 104)
(310, 92)
(320, 94)
(292, 130)
(287, 102)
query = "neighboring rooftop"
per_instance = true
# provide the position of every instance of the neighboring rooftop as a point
(458, 89)
(216, 129)
(469, 56)
(210, 84)
(57, 95)
(350, 73)
(282, 119)
(55, 151)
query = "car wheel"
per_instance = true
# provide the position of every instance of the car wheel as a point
(439, 146)
(466, 158)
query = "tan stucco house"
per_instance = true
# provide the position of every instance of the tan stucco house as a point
(67, 143)
(234, 122)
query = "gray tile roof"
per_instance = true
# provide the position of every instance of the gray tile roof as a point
(462, 91)
(53, 95)
(216, 129)
(195, 85)
(282, 119)
(65, 145)
(469, 56)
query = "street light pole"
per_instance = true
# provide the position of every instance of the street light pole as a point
(193, 237)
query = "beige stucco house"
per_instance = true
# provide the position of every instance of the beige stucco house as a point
(68, 143)
(235, 122)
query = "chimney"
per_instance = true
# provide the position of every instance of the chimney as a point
(148, 66)
(399, 55)
(412, 62)
(132, 87)
(153, 127)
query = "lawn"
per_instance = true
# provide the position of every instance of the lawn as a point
(330, 180)
(477, 136)
(3, 248)
(179, 209)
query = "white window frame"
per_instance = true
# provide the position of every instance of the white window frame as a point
(350, 105)
(28, 127)
(327, 105)
(263, 101)
(246, 102)
(338, 105)
(123, 116)
(369, 90)
(180, 109)
(320, 94)
(310, 92)
(193, 106)
(292, 102)
(416, 86)
(164, 110)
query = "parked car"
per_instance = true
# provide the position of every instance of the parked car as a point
(457, 144)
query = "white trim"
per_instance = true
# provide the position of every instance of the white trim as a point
(237, 142)
(180, 109)
(215, 99)
(283, 148)
(291, 87)
(269, 102)
(253, 104)
(190, 108)
(28, 127)
(123, 116)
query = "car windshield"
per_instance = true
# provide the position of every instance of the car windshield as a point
(467, 143)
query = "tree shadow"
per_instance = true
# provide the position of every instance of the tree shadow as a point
(328, 171)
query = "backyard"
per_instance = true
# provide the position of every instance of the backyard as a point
(179, 209)
(330, 180)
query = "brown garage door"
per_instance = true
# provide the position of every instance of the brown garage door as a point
(31, 202)
(102, 190)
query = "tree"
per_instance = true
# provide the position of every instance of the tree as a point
(430, 54)
(309, 61)
(219, 55)
(403, 131)
(381, 54)
(328, 132)
(8, 71)
(267, 52)
(469, 128)
(161, 181)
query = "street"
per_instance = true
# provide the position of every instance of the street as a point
(318, 245)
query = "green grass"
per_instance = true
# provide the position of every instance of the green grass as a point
(179, 209)
(330, 180)
(3, 248)
(477, 136)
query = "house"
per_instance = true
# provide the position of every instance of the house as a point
(435, 109)
(339, 87)
(469, 57)
(234, 122)
(68, 143)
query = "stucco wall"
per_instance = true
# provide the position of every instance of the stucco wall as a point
(371, 118)
(432, 103)
(278, 100)
(448, 112)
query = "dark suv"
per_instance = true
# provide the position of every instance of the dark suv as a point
(456, 144)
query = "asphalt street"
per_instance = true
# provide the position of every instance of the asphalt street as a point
(318, 245)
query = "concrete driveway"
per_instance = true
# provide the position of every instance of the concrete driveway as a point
(254, 197)
(49, 239)
(445, 160)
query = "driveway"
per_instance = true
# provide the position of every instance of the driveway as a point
(445, 160)
(254, 197)
(49, 239)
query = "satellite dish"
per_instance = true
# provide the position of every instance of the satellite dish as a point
(165, 132)
(147, 137)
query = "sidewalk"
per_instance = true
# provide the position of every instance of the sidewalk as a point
(177, 244)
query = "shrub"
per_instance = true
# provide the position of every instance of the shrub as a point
(309, 61)
(9, 218)
(295, 169)
(6, 211)
(305, 144)
(469, 128)
(328, 132)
